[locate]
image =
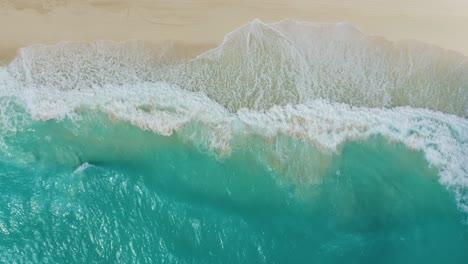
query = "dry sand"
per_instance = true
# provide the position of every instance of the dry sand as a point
(204, 23)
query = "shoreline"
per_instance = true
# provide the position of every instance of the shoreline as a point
(205, 23)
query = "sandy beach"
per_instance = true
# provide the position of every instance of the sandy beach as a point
(204, 23)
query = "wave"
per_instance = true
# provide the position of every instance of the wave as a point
(322, 83)
(166, 109)
(261, 65)
(267, 199)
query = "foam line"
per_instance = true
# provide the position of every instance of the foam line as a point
(261, 65)
(324, 83)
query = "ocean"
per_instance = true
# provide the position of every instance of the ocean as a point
(291, 142)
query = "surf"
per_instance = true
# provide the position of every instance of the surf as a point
(360, 142)
(267, 197)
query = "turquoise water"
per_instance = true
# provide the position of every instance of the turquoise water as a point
(253, 152)
(166, 200)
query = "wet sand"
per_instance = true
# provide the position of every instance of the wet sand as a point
(204, 23)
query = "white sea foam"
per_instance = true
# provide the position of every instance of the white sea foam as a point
(165, 109)
(262, 65)
(82, 167)
(324, 83)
